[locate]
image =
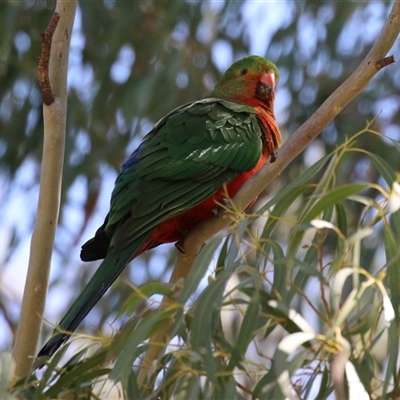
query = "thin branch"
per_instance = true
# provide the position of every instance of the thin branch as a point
(352, 87)
(52, 70)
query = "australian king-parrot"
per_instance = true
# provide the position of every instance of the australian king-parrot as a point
(174, 179)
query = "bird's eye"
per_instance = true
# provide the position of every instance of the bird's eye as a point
(243, 72)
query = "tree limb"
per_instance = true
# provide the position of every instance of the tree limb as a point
(52, 71)
(347, 91)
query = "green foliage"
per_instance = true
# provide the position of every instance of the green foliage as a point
(280, 304)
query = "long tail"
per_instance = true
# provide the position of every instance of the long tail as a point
(103, 278)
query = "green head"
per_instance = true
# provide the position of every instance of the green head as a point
(251, 80)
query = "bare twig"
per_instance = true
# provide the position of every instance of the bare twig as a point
(342, 96)
(384, 62)
(52, 70)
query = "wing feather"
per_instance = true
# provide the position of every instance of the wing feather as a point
(187, 158)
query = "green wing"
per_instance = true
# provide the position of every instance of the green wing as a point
(185, 159)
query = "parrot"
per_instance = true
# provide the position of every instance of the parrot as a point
(192, 159)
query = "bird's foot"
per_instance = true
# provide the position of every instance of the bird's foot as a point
(224, 204)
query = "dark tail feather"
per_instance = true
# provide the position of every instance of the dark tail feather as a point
(106, 274)
(97, 247)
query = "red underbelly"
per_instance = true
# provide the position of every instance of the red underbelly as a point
(174, 229)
